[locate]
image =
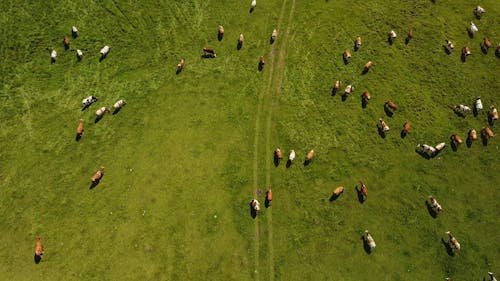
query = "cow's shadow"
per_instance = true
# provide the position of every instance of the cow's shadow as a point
(253, 212)
(334, 197)
(239, 45)
(490, 120)
(403, 134)
(364, 71)
(307, 162)
(381, 132)
(344, 97)
(97, 119)
(346, 60)
(251, 10)
(475, 112)
(85, 107)
(454, 145)
(388, 111)
(483, 48)
(470, 33)
(276, 160)
(431, 210)
(390, 40)
(463, 57)
(37, 259)
(78, 137)
(449, 249)
(334, 91)
(361, 197)
(102, 57)
(267, 203)
(271, 40)
(178, 71)
(260, 67)
(288, 163)
(484, 139)
(93, 184)
(407, 40)
(446, 50)
(366, 247)
(220, 36)
(116, 110)
(423, 154)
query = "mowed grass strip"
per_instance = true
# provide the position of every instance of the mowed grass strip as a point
(173, 203)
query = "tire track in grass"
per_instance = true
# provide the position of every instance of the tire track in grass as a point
(260, 108)
(280, 69)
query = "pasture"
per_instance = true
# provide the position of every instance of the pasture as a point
(189, 151)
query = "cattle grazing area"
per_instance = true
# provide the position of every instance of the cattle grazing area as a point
(139, 140)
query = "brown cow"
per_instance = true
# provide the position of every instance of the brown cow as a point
(487, 133)
(346, 55)
(493, 114)
(465, 52)
(310, 155)
(262, 61)
(486, 44)
(269, 196)
(472, 135)
(390, 105)
(409, 36)
(38, 247)
(363, 190)
(220, 34)
(453, 241)
(98, 175)
(367, 66)
(79, 129)
(336, 87)
(456, 139)
(406, 127)
(66, 42)
(338, 191)
(278, 154)
(365, 97)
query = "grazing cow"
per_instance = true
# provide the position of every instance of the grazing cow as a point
(357, 43)
(369, 240)
(367, 66)
(255, 205)
(119, 104)
(180, 65)
(274, 35)
(209, 53)
(262, 61)
(456, 140)
(74, 31)
(479, 11)
(346, 55)
(220, 34)
(487, 133)
(440, 146)
(269, 195)
(79, 129)
(348, 90)
(66, 42)
(101, 111)
(291, 157)
(478, 105)
(241, 39)
(406, 127)
(38, 248)
(86, 102)
(453, 242)
(465, 52)
(310, 155)
(430, 151)
(472, 135)
(254, 3)
(338, 191)
(382, 126)
(363, 190)
(472, 29)
(336, 87)
(390, 105)
(53, 56)
(278, 154)
(433, 203)
(392, 36)
(486, 44)
(450, 45)
(497, 51)
(409, 36)
(104, 51)
(493, 114)
(492, 276)
(98, 175)
(365, 97)
(461, 109)
(79, 54)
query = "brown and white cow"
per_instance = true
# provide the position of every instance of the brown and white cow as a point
(336, 87)
(180, 65)
(209, 53)
(382, 126)
(456, 139)
(453, 241)
(493, 114)
(472, 135)
(220, 32)
(487, 133)
(346, 55)
(390, 105)
(66, 42)
(486, 44)
(241, 39)
(310, 155)
(366, 96)
(357, 43)
(98, 175)
(466, 52)
(363, 189)
(262, 61)
(278, 154)
(449, 45)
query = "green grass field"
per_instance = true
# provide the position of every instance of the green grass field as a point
(188, 152)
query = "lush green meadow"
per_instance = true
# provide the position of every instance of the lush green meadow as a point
(188, 152)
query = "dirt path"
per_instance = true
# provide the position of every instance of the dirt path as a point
(266, 106)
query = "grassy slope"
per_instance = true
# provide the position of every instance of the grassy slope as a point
(182, 150)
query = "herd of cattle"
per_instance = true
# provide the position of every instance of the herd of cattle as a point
(383, 128)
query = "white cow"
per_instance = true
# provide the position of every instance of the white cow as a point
(255, 205)
(292, 155)
(274, 35)
(479, 11)
(88, 101)
(119, 104)
(349, 89)
(74, 31)
(254, 3)
(440, 146)
(435, 205)
(479, 104)
(104, 51)
(492, 276)
(473, 28)
(369, 240)
(79, 54)
(53, 56)
(101, 111)
(461, 109)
